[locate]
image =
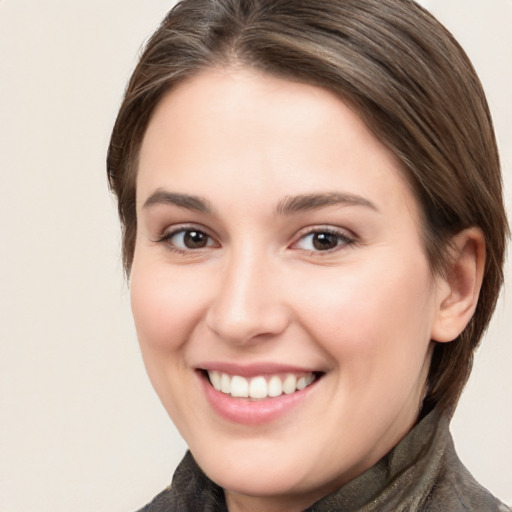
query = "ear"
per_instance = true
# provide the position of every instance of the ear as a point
(457, 291)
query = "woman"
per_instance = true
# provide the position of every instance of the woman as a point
(314, 231)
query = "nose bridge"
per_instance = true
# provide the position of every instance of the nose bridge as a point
(247, 301)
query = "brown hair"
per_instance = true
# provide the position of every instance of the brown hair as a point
(404, 74)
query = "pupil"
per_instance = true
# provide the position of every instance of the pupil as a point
(324, 241)
(195, 239)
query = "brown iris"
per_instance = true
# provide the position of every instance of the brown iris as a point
(325, 241)
(195, 239)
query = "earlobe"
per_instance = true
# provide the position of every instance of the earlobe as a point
(459, 288)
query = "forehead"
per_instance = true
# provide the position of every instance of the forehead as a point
(251, 129)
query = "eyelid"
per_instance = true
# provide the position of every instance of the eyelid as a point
(347, 238)
(172, 231)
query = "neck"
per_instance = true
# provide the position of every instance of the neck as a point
(243, 503)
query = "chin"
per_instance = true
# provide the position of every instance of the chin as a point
(258, 485)
(264, 474)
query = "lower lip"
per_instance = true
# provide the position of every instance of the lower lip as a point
(252, 412)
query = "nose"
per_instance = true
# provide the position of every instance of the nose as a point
(248, 300)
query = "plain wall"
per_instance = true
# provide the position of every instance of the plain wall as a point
(80, 427)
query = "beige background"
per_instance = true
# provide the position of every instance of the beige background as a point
(80, 427)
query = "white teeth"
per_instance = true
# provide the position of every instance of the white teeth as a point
(239, 387)
(259, 387)
(302, 383)
(215, 380)
(225, 383)
(275, 386)
(290, 384)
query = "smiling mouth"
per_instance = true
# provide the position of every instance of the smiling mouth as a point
(262, 386)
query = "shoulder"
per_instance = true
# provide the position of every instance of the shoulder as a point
(455, 489)
(161, 502)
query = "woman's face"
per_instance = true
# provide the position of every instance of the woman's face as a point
(278, 247)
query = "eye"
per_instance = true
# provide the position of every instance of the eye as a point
(322, 240)
(188, 239)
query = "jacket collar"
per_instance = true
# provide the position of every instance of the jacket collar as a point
(399, 481)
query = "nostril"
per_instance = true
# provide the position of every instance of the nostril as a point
(245, 306)
(242, 326)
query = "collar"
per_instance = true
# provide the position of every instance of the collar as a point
(422, 473)
(399, 481)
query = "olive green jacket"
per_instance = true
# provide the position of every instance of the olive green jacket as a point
(421, 474)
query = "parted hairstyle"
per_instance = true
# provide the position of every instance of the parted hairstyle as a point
(398, 68)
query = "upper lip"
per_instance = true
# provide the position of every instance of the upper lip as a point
(254, 369)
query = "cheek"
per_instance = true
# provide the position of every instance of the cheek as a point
(372, 314)
(165, 308)
(164, 311)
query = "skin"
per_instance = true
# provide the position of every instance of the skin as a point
(363, 312)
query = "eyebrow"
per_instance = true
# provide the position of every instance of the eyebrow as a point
(293, 204)
(288, 206)
(163, 197)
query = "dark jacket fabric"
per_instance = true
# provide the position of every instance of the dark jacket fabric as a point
(421, 474)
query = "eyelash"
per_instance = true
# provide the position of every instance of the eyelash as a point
(167, 237)
(343, 240)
